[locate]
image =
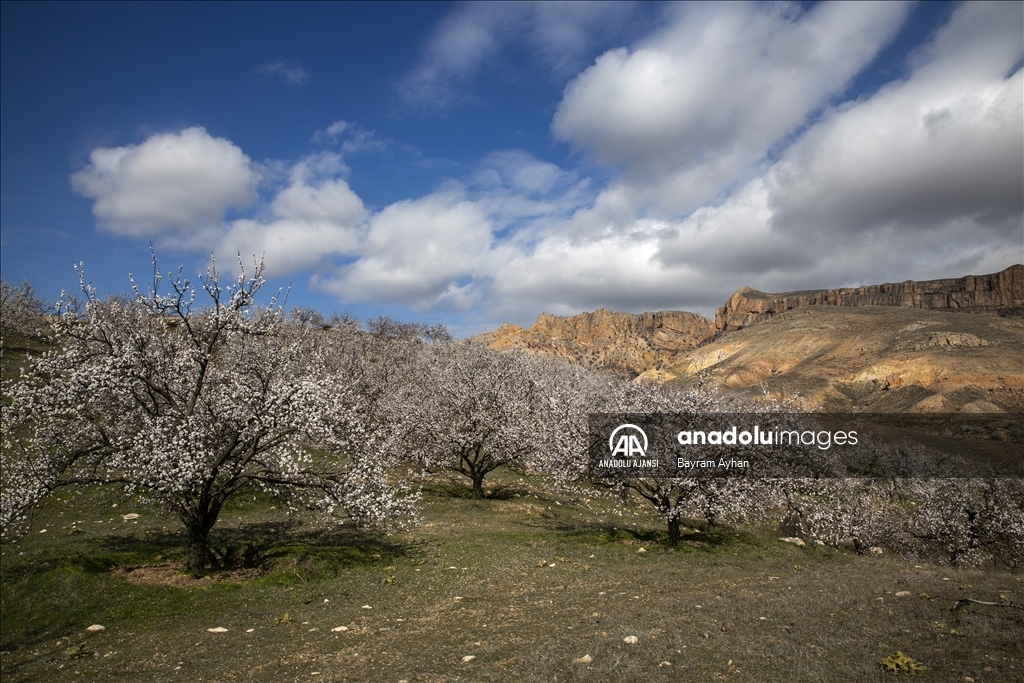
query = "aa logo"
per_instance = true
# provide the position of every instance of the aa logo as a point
(631, 442)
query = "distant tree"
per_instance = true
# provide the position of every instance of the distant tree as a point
(673, 494)
(21, 312)
(187, 405)
(466, 409)
(570, 394)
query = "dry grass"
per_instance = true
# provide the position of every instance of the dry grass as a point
(476, 580)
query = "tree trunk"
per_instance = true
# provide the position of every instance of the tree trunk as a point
(478, 486)
(673, 530)
(198, 552)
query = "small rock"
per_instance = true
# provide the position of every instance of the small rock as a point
(130, 516)
(366, 607)
(96, 627)
(641, 551)
(469, 658)
(799, 542)
(820, 543)
(217, 629)
(42, 531)
(585, 659)
(249, 630)
(664, 664)
(875, 550)
(339, 629)
(631, 640)
(903, 594)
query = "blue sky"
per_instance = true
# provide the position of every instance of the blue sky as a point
(481, 163)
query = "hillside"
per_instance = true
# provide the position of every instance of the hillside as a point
(938, 345)
(621, 343)
(878, 358)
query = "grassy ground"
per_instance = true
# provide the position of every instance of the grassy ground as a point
(526, 585)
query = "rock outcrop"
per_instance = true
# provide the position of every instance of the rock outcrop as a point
(620, 342)
(993, 293)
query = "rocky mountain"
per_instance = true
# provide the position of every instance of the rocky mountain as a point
(891, 347)
(622, 343)
(998, 292)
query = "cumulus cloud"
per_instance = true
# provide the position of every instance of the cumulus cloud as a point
(690, 110)
(309, 222)
(944, 144)
(315, 216)
(171, 183)
(292, 73)
(416, 252)
(175, 188)
(558, 35)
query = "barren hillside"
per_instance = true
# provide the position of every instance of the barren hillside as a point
(881, 358)
(933, 346)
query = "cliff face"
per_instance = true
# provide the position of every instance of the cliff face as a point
(662, 346)
(620, 342)
(973, 294)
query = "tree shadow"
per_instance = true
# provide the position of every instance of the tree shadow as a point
(698, 535)
(257, 545)
(459, 491)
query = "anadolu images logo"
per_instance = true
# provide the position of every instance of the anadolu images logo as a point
(628, 444)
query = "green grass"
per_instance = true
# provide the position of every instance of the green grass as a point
(469, 582)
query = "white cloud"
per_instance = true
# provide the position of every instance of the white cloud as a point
(292, 73)
(558, 35)
(171, 183)
(690, 110)
(945, 144)
(416, 251)
(176, 188)
(317, 215)
(290, 245)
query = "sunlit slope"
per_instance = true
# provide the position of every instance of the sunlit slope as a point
(881, 358)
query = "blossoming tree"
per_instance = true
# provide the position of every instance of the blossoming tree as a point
(466, 409)
(186, 405)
